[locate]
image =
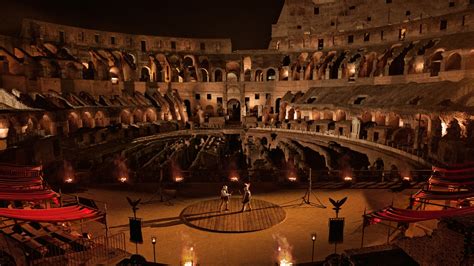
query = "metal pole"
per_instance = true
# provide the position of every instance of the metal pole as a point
(154, 252)
(312, 254)
(363, 229)
(310, 185)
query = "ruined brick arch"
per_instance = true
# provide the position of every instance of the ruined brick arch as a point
(150, 115)
(88, 120)
(125, 117)
(145, 74)
(403, 136)
(189, 64)
(218, 75)
(100, 119)
(114, 72)
(72, 71)
(74, 122)
(366, 66)
(453, 62)
(46, 124)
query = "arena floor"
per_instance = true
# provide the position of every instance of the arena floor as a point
(253, 248)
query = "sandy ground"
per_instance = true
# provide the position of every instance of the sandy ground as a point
(257, 248)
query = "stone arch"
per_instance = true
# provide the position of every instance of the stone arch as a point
(258, 75)
(403, 136)
(232, 77)
(209, 110)
(379, 118)
(277, 105)
(271, 75)
(74, 122)
(100, 119)
(114, 72)
(340, 115)
(393, 120)
(46, 124)
(453, 62)
(150, 115)
(328, 114)
(366, 117)
(204, 75)
(126, 117)
(435, 63)
(187, 105)
(470, 60)
(137, 116)
(145, 74)
(316, 115)
(248, 75)
(88, 120)
(233, 71)
(218, 75)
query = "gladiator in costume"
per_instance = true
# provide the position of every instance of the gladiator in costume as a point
(225, 195)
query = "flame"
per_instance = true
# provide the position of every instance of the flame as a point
(284, 256)
(121, 169)
(348, 178)
(188, 255)
(68, 172)
(292, 179)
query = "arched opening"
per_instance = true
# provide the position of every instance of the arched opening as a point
(46, 125)
(277, 105)
(435, 66)
(271, 75)
(188, 64)
(218, 75)
(393, 120)
(233, 110)
(248, 75)
(259, 75)
(454, 62)
(145, 74)
(100, 119)
(150, 115)
(286, 61)
(232, 77)
(74, 122)
(125, 117)
(204, 75)
(137, 116)
(340, 115)
(87, 120)
(187, 104)
(209, 111)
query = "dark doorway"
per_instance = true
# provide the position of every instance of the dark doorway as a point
(233, 110)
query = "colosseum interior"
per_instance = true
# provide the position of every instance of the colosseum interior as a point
(370, 100)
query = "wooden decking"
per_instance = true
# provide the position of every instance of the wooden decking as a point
(205, 215)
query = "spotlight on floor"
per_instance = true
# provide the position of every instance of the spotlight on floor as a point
(284, 262)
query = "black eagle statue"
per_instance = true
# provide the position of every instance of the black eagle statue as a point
(337, 204)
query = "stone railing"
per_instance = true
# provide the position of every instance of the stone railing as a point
(410, 153)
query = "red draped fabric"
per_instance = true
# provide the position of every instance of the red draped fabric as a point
(63, 214)
(27, 195)
(409, 216)
(443, 195)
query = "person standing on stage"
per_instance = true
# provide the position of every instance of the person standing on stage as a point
(225, 195)
(247, 197)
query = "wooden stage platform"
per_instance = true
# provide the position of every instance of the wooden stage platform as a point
(205, 215)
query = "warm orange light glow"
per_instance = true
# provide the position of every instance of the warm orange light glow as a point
(292, 179)
(69, 180)
(234, 179)
(178, 179)
(406, 178)
(123, 179)
(348, 178)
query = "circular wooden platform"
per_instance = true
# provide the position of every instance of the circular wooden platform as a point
(205, 215)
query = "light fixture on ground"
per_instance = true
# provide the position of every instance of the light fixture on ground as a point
(68, 180)
(292, 178)
(123, 179)
(348, 179)
(153, 242)
(234, 179)
(178, 179)
(313, 238)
